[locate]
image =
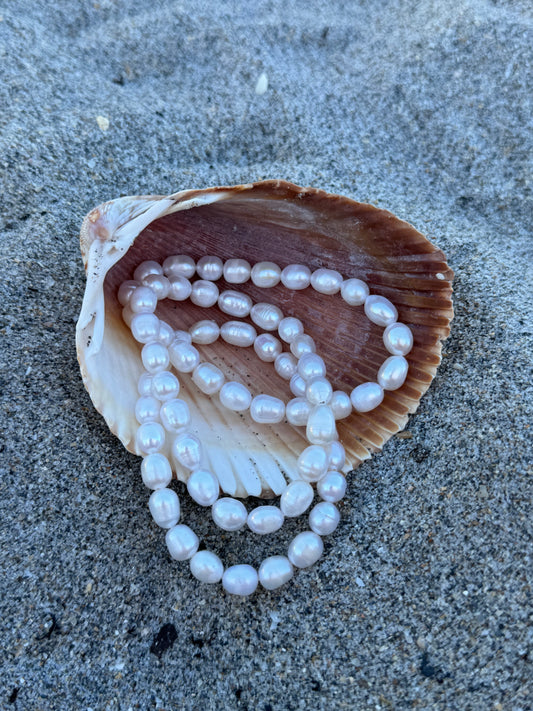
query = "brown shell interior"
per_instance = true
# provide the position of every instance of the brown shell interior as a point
(279, 222)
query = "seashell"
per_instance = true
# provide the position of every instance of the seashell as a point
(269, 225)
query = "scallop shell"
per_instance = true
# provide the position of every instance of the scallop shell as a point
(266, 221)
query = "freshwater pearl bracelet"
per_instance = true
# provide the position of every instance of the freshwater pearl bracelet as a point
(315, 405)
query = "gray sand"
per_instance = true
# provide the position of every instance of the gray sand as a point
(424, 597)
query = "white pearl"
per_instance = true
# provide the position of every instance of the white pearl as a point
(145, 268)
(180, 288)
(266, 316)
(229, 514)
(286, 365)
(398, 339)
(235, 396)
(208, 378)
(206, 567)
(340, 404)
(234, 303)
(318, 391)
(266, 409)
(175, 415)
(275, 571)
(297, 411)
(324, 518)
(144, 386)
(267, 347)
(203, 487)
(127, 315)
(182, 337)
(332, 487)
(164, 506)
(183, 356)
(165, 385)
(337, 455)
(182, 542)
(296, 498)
(366, 397)
(380, 310)
(301, 345)
(166, 333)
(204, 293)
(179, 265)
(150, 437)
(204, 332)
(145, 327)
(289, 328)
(296, 276)
(326, 281)
(143, 300)
(354, 291)
(321, 427)
(266, 274)
(265, 519)
(155, 471)
(209, 268)
(237, 271)
(147, 409)
(154, 357)
(311, 365)
(305, 549)
(238, 334)
(393, 372)
(187, 450)
(297, 385)
(159, 284)
(240, 580)
(312, 463)
(125, 291)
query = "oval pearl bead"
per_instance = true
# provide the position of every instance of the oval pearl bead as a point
(296, 276)
(143, 300)
(324, 518)
(209, 268)
(229, 514)
(180, 288)
(208, 378)
(326, 281)
(380, 310)
(331, 487)
(301, 345)
(312, 463)
(155, 471)
(182, 337)
(305, 549)
(234, 303)
(267, 347)
(286, 365)
(311, 365)
(182, 542)
(144, 385)
(265, 274)
(145, 327)
(237, 271)
(165, 385)
(297, 385)
(289, 328)
(266, 409)
(266, 316)
(125, 291)
(398, 339)
(204, 293)
(238, 334)
(366, 397)
(147, 409)
(321, 427)
(203, 487)
(204, 332)
(175, 415)
(179, 265)
(150, 437)
(296, 498)
(183, 356)
(297, 411)
(164, 506)
(154, 357)
(240, 580)
(393, 372)
(340, 404)
(354, 291)
(127, 315)
(235, 396)
(337, 455)
(265, 519)
(187, 450)
(166, 333)
(158, 283)
(206, 567)
(275, 572)
(318, 391)
(145, 268)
